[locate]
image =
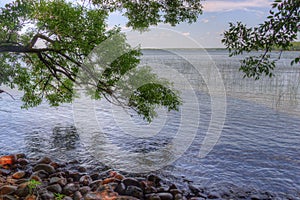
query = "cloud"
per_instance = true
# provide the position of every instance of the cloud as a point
(229, 5)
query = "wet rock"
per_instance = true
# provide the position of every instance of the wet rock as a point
(95, 184)
(44, 160)
(254, 197)
(46, 167)
(163, 189)
(104, 195)
(165, 196)
(8, 160)
(7, 189)
(131, 182)
(179, 197)
(175, 191)
(19, 175)
(134, 191)
(149, 190)
(56, 188)
(194, 189)
(95, 176)
(75, 176)
(85, 180)
(109, 180)
(85, 189)
(55, 165)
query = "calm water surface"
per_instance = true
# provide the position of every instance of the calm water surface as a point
(259, 146)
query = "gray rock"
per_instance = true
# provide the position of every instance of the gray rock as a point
(61, 181)
(46, 195)
(41, 173)
(214, 195)
(85, 189)
(55, 188)
(77, 196)
(165, 196)
(4, 172)
(48, 168)
(7, 189)
(44, 160)
(70, 188)
(152, 197)
(121, 189)
(134, 191)
(67, 198)
(85, 180)
(131, 182)
(23, 161)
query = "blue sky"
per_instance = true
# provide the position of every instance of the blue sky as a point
(206, 32)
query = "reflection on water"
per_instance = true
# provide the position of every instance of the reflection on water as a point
(259, 146)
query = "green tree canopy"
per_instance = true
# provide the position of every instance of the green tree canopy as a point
(277, 32)
(44, 45)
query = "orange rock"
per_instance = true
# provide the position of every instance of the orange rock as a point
(108, 180)
(7, 160)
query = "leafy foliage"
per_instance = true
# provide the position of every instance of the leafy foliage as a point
(44, 46)
(278, 31)
(143, 13)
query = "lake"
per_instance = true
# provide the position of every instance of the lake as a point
(250, 129)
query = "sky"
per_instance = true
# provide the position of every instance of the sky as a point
(206, 32)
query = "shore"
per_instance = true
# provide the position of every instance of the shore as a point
(43, 178)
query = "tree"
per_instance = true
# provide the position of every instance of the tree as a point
(44, 45)
(277, 32)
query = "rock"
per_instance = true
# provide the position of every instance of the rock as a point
(95, 184)
(125, 198)
(55, 165)
(8, 160)
(77, 196)
(4, 172)
(56, 188)
(178, 197)
(134, 191)
(194, 189)
(152, 196)
(95, 176)
(7, 197)
(22, 190)
(70, 188)
(67, 198)
(46, 167)
(7, 189)
(103, 195)
(131, 182)
(108, 180)
(44, 160)
(149, 190)
(85, 180)
(19, 175)
(214, 195)
(61, 181)
(36, 178)
(31, 197)
(165, 196)
(85, 189)
(46, 195)
(163, 189)
(254, 197)
(121, 189)
(41, 173)
(81, 169)
(175, 191)
(23, 161)
(154, 179)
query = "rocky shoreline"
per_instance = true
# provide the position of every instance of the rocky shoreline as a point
(45, 179)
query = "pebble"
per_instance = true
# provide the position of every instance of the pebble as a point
(165, 196)
(46, 167)
(56, 188)
(131, 182)
(19, 174)
(7, 189)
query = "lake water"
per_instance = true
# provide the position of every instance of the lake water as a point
(258, 147)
